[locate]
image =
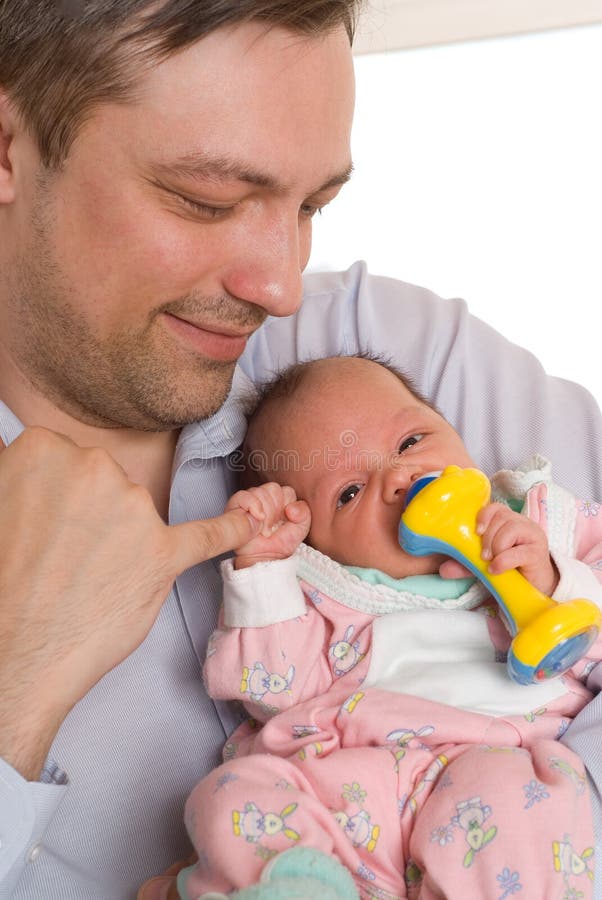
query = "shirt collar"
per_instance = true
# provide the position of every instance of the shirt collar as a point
(10, 426)
(223, 432)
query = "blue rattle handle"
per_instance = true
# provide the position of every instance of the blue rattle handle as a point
(440, 517)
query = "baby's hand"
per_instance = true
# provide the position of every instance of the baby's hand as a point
(285, 522)
(511, 541)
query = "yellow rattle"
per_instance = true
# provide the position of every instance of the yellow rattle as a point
(548, 637)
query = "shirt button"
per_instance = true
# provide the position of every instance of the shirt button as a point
(34, 853)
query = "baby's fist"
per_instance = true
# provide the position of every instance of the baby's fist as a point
(284, 521)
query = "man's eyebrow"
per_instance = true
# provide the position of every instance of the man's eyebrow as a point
(223, 168)
(337, 180)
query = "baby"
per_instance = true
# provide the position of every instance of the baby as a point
(387, 733)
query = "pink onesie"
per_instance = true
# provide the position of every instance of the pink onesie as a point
(387, 732)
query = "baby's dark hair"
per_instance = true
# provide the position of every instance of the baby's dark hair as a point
(283, 386)
(287, 381)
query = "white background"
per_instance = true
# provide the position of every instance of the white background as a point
(479, 174)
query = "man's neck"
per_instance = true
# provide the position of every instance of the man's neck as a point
(145, 456)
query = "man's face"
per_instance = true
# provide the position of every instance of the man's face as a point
(135, 274)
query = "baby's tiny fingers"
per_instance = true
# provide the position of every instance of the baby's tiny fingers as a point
(486, 517)
(288, 494)
(516, 557)
(256, 506)
(504, 529)
(269, 530)
(276, 497)
(297, 511)
(247, 501)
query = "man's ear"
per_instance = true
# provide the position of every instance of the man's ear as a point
(9, 126)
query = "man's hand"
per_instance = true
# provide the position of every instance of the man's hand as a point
(86, 564)
(165, 886)
(283, 521)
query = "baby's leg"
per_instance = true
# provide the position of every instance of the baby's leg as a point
(507, 820)
(251, 809)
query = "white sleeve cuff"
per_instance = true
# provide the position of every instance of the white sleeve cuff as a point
(576, 580)
(26, 808)
(263, 594)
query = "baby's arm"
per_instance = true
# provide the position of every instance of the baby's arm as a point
(269, 651)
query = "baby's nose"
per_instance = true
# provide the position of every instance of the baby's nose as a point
(397, 480)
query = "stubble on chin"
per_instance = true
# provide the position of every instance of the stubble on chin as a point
(128, 380)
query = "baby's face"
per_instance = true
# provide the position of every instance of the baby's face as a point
(351, 447)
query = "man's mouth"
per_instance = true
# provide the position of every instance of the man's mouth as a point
(217, 341)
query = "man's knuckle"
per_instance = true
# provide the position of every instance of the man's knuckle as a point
(34, 442)
(97, 460)
(140, 497)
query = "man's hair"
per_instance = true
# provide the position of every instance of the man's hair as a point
(61, 58)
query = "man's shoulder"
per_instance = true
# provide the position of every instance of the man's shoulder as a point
(357, 280)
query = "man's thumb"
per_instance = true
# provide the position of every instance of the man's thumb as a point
(195, 542)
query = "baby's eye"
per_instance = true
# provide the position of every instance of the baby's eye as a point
(409, 442)
(348, 495)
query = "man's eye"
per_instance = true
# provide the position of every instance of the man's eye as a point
(309, 210)
(409, 442)
(205, 210)
(348, 495)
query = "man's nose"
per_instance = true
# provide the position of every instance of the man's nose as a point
(267, 269)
